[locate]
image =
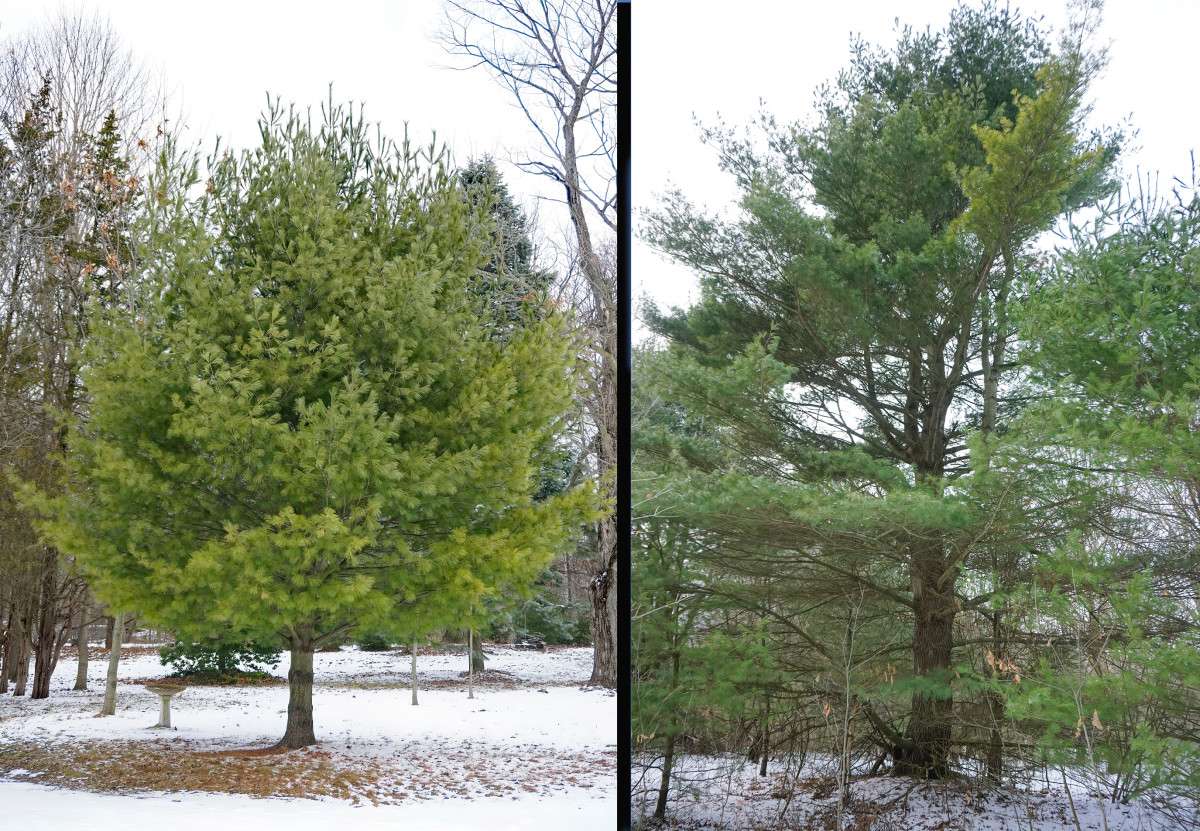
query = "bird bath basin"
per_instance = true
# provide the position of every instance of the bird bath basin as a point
(165, 691)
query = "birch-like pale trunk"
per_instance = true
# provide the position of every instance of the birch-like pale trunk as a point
(114, 656)
(414, 672)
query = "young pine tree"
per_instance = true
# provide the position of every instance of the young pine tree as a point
(308, 427)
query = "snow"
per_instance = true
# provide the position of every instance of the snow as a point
(534, 748)
(51, 809)
(727, 793)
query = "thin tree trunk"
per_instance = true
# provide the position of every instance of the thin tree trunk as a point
(114, 657)
(414, 671)
(660, 810)
(992, 355)
(664, 785)
(299, 732)
(765, 731)
(471, 664)
(995, 704)
(108, 632)
(81, 645)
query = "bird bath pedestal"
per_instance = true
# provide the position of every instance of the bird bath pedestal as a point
(165, 691)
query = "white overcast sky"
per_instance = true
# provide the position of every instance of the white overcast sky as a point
(220, 58)
(715, 56)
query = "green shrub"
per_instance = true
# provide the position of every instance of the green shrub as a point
(374, 642)
(219, 662)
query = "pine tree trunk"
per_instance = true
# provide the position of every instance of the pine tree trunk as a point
(110, 685)
(603, 595)
(929, 728)
(108, 632)
(477, 657)
(81, 644)
(471, 663)
(299, 732)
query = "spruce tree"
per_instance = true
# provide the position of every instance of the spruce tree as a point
(509, 280)
(308, 426)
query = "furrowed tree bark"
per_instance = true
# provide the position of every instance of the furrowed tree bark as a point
(934, 608)
(299, 731)
(24, 648)
(50, 637)
(603, 596)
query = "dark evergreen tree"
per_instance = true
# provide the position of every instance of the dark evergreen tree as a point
(509, 282)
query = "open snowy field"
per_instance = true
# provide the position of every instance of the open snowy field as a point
(534, 748)
(726, 793)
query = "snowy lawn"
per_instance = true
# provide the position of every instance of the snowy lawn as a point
(533, 749)
(724, 793)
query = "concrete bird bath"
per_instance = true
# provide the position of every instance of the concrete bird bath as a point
(165, 691)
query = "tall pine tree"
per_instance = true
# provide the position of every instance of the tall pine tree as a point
(870, 274)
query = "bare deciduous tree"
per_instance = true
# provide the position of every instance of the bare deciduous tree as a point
(558, 59)
(75, 109)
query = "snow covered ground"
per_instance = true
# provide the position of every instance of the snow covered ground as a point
(727, 793)
(532, 749)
